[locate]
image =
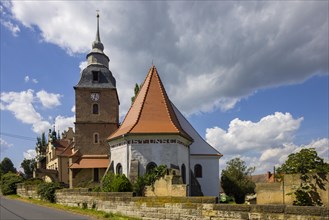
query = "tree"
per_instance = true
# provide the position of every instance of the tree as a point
(7, 166)
(136, 90)
(28, 166)
(306, 163)
(41, 145)
(303, 162)
(236, 180)
(8, 183)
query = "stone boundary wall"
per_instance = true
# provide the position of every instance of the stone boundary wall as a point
(183, 207)
(27, 191)
(278, 193)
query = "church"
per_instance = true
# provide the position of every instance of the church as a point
(153, 132)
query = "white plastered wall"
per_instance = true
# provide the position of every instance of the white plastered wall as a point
(210, 174)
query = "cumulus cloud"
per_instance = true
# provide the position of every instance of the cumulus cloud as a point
(210, 55)
(242, 136)
(48, 100)
(4, 145)
(21, 104)
(63, 123)
(29, 154)
(13, 28)
(263, 144)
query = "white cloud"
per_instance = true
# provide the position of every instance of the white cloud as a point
(27, 79)
(263, 144)
(83, 65)
(63, 123)
(4, 145)
(73, 109)
(242, 136)
(48, 100)
(209, 55)
(21, 105)
(11, 27)
(29, 154)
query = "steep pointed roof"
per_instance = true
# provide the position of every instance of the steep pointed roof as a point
(151, 112)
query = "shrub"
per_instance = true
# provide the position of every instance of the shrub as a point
(116, 183)
(46, 191)
(8, 183)
(33, 181)
(139, 186)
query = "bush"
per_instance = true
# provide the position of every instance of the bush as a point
(8, 183)
(116, 183)
(46, 191)
(33, 181)
(139, 186)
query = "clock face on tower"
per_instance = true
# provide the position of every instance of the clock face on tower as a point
(94, 96)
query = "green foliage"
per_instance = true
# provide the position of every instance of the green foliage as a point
(41, 145)
(28, 166)
(46, 191)
(236, 180)
(8, 183)
(136, 90)
(305, 162)
(116, 183)
(7, 166)
(33, 181)
(148, 179)
(139, 186)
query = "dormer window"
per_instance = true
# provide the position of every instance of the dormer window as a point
(95, 76)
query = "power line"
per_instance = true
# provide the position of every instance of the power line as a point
(18, 136)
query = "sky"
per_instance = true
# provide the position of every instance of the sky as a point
(251, 76)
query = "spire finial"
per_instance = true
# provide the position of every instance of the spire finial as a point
(98, 39)
(97, 43)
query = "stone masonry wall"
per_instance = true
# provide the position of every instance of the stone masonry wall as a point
(29, 191)
(184, 207)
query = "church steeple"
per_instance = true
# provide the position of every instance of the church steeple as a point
(97, 43)
(96, 55)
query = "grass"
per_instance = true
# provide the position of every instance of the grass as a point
(88, 212)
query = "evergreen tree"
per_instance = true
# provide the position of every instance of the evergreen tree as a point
(136, 90)
(7, 166)
(28, 166)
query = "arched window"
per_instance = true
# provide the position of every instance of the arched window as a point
(183, 173)
(96, 138)
(150, 166)
(119, 168)
(198, 171)
(95, 109)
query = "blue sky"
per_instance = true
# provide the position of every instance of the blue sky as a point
(251, 77)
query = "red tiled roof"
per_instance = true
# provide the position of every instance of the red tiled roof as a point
(151, 112)
(91, 161)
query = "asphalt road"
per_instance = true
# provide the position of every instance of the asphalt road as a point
(11, 209)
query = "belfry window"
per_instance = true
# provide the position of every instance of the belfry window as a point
(95, 109)
(96, 138)
(95, 76)
(198, 171)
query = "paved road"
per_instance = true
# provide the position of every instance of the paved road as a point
(17, 210)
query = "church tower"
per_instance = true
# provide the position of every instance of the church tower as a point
(96, 101)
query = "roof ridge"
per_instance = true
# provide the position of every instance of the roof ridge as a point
(143, 101)
(166, 98)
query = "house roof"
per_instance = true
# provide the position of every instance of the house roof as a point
(91, 161)
(151, 112)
